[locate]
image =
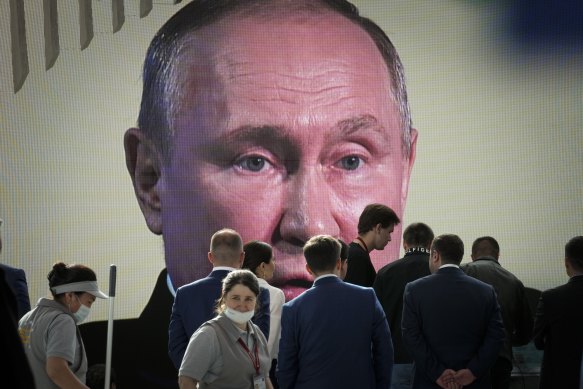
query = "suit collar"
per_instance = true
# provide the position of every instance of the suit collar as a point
(220, 273)
(449, 270)
(487, 258)
(576, 279)
(327, 280)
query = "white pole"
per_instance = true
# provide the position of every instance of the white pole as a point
(112, 278)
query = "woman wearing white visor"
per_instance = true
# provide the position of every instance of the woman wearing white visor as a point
(49, 332)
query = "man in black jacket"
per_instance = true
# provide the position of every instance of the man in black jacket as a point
(558, 323)
(390, 285)
(511, 294)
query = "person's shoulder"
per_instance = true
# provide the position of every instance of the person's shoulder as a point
(476, 283)
(420, 282)
(390, 267)
(276, 292)
(353, 287)
(354, 249)
(63, 319)
(10, 269)
(200, 283)
(559, 290)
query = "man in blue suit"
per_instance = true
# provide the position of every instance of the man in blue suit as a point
(335, 334)
(451, 324)
(16, 280)
(195, 302)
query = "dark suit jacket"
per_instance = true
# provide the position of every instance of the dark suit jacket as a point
(16, 371)
(389, 286)
(334, 335)
(511, 294)
(558, 330)
(194, 304)
(451, 320)
(16, 279)
(140, 346)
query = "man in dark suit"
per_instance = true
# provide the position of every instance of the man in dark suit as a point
(16, 371)
(511, 294)
(559, 322)
(451, 322)
(195, 303)
(16, 280)
(335, 334)
(389, 286)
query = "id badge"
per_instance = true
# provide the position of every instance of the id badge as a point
(259, 382)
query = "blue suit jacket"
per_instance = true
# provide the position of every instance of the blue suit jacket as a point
(195, 304)
(16, 279)
(451, 320)
(334, 335)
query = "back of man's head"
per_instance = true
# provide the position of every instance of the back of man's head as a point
(574, 253)
(161, 78)
(450, 248)
(226, 248)
(321, 253)
(418, 235)
(485, 246)
(374, 214)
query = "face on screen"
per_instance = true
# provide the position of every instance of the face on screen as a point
(287, 130)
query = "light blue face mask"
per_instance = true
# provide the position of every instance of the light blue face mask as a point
(239, 317)
(82, 312)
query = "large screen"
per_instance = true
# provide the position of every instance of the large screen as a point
(496, 102)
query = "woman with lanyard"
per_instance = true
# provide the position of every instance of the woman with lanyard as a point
(49, 332)
(229, 350)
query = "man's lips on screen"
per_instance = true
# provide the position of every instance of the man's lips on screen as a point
(293, 287)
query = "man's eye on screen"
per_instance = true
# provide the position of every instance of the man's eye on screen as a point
(350, 162)
(251, 163)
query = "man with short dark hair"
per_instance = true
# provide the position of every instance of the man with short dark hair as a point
(334, 335)
(375, 226)
(389, 286)
(511, 294)
(558, 325)
(451, 324)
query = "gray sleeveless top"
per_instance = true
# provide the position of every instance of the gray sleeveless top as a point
(238, 371)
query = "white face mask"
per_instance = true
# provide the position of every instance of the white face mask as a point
(239, 317)
(82, 313)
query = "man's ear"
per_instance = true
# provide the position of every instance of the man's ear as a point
(434, 257)
(408, 168)
(144, 165)
(568, 267)
(309, 270)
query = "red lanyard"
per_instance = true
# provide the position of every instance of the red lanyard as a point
(254, 359)
(362, 241)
